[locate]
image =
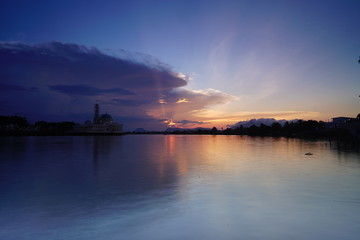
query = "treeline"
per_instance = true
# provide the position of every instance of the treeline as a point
(16, 125)
(56, 127)
(13, 122)
(300, 128)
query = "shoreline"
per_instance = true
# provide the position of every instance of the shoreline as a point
(324, 135)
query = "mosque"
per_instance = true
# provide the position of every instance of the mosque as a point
(101, 124)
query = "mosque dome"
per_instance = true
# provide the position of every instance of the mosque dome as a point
(106, 118)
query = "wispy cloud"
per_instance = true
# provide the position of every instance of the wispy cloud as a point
(209, 115)
(181, 103)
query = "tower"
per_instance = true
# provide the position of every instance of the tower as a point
(96, 114)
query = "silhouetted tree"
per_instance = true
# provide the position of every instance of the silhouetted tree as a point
(41, 126)
(276, 125)
(228, 131)
(53, 127)
(214, 130)
(13, 123)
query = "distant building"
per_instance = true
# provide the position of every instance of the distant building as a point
(343, 119)
(348, 124)
(101, 124)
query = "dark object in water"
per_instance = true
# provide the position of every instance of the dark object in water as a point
(309, 153)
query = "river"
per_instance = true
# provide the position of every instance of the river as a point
(177, 187)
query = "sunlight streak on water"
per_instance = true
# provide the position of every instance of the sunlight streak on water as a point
(177, 187)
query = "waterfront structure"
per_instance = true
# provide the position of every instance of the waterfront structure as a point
(347, 124)
(101, 124)
(343, 119)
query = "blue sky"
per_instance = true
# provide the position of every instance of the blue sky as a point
(240, 59)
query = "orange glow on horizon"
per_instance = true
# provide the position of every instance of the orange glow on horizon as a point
(183, 100)
(170, 123)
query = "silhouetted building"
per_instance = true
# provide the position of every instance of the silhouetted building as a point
(348, 124)
(101, 124)
(96, 114)
(343, 119)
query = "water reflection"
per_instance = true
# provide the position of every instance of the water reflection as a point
(176, 187)
(101, 147)
(132, 168)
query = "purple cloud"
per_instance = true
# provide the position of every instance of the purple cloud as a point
(74, 90)
(58, 63)
(4, 87)
(125, 102)
(70, 78)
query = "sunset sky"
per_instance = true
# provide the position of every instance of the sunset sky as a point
(151, 64)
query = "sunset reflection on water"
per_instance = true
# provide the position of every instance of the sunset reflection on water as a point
(176, 187)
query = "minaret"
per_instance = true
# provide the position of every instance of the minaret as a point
(96, 114)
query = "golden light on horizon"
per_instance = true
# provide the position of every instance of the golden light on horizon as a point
(183, 100)
(170, 123)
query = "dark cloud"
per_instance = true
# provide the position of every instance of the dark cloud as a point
(146, 122)
(66, 64)
(4, 87)
(86, 90)
(125, 102)
(70, 78)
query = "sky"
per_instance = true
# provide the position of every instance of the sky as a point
(160, 63)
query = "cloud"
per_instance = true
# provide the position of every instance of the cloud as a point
(196, 99)
(188, 123)
(86, 90)
(235, 116)
(181, 103)
(4, 87)
(71, 63)
(125, 102)
(61, 81)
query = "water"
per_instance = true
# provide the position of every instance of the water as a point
(177, 187)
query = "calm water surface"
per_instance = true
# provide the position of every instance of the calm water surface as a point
(177, 187)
